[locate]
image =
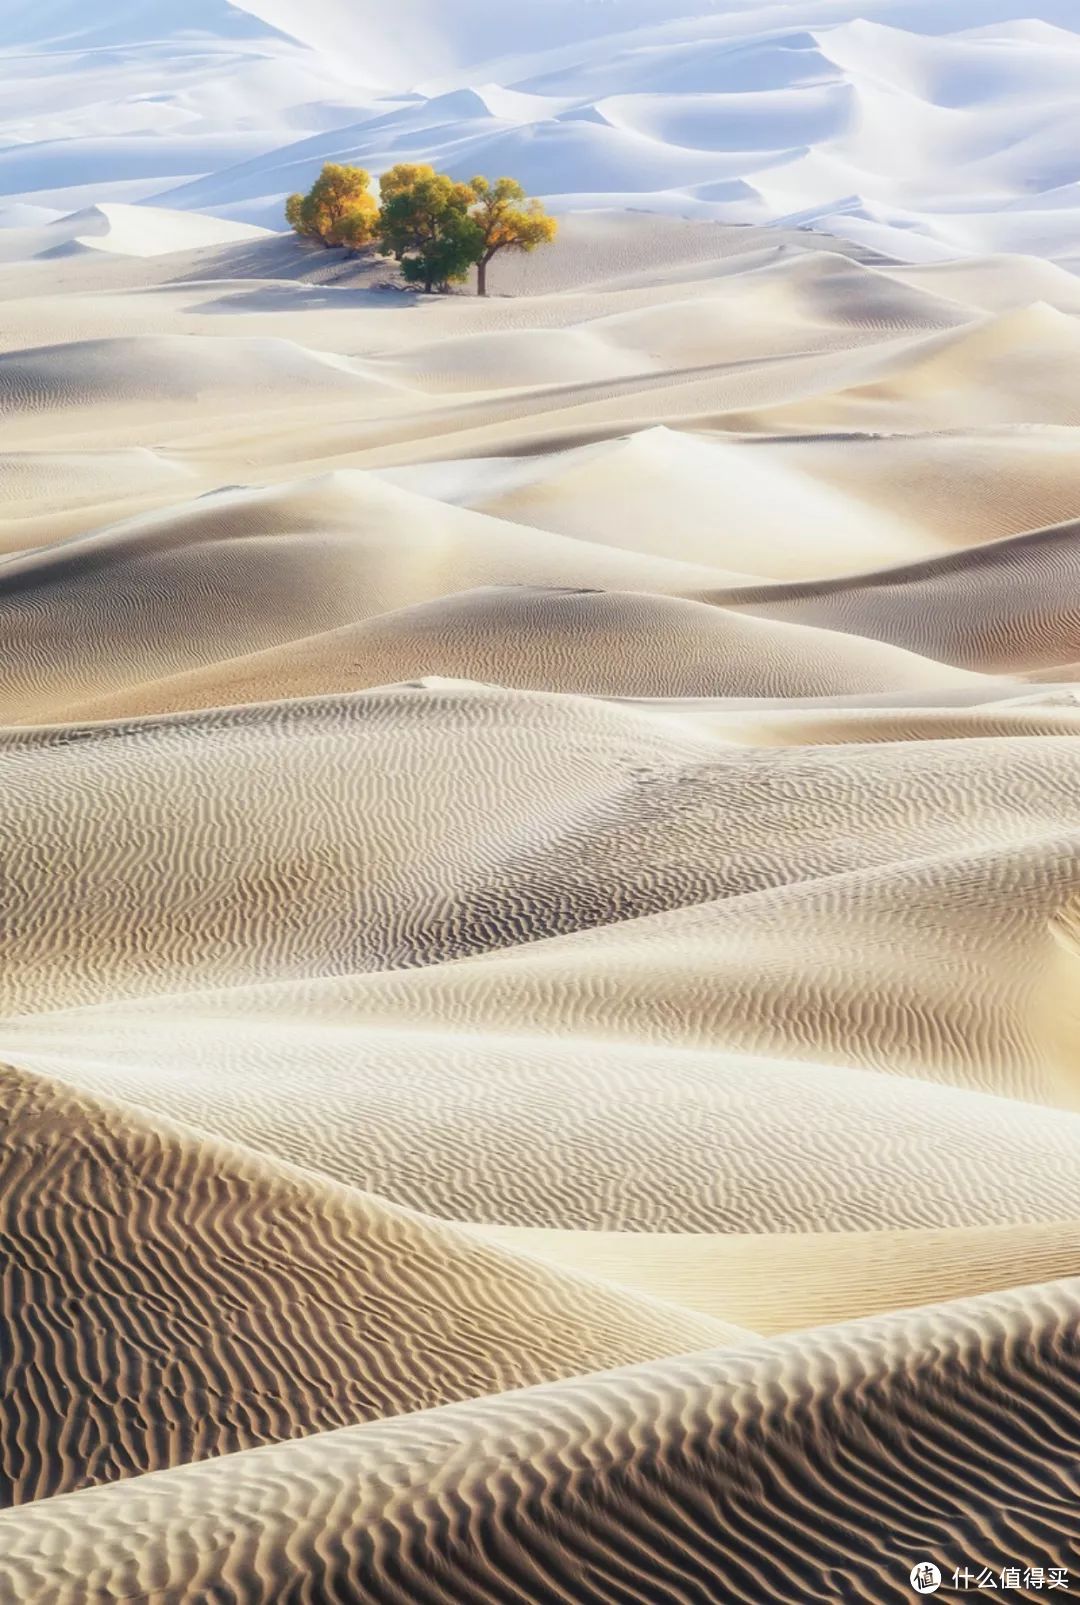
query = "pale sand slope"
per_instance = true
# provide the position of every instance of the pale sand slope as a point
(574, 767)
(835, 1459)
(1011, 606)
(784, 1281)
(238, 572)
(603, 643)
(170, 1297)
(604, 1136)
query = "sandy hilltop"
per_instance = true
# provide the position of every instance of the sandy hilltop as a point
(540, 835)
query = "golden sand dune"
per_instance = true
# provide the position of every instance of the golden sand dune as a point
(538, 836)
(944, 969)
(169, 1297)
(784, 1281)
(763, 1473)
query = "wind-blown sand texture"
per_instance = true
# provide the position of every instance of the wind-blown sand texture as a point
(540, 838)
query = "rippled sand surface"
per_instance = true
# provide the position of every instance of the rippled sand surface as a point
(540, 942)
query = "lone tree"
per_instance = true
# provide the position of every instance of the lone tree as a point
(338, 209)
(425, 224)
(508, 221)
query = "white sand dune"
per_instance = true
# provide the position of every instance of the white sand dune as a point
(143, 231)
(924, 131)
(723, 494)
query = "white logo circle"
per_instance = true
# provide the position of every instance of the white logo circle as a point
(925, 1577)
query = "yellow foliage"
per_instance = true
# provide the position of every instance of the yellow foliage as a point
(508, 220)
(338, 209)
(405, 176)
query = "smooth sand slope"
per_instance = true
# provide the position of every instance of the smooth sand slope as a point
(551, 638)
(539, 848)
(1009, 607)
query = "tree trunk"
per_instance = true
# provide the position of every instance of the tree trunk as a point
(481, 276)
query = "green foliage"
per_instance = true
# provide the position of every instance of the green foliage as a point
(425, 224)
(338, 209)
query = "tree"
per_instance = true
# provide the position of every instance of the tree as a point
(508, 221)
(402, 177)
(338, 209)
(425, 224)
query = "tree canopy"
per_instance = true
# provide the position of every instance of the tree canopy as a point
(338, 209)
(508, 221)
(434, 226)
(425, 224)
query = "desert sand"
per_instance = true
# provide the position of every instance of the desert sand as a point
(540, 836)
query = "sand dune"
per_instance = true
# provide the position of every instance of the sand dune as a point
(597, 643)
(164, 370)
(230, 1302)
(539, 835)
(1027, 617)
(955, 951)
(724, 496)
(601, 818)
(606, 1137)
(784, 1281)
(813, 1440)
(241, 571)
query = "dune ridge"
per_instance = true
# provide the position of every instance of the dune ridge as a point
(797, 1439)
(230, 1302)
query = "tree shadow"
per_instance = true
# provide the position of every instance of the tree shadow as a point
(287, 258)
(309, 298)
